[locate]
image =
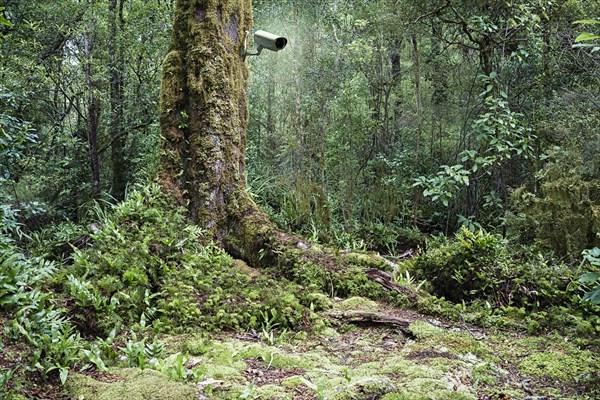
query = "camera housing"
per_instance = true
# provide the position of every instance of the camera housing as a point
(263, 40)
(269, 41)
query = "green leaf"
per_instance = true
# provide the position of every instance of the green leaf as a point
(593, 295)
(64, 373)
(3, 20)
(589, 277)
(586, 36)
(309, 383)
(587, 21)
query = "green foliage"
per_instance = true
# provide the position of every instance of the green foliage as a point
(29, 307)
(591, 280)
(445, 185)
(472, 266)
(499, 135)
(3, 21)
(493, 283)
(147, 266)
(564, 216)
(587, 37)
(479, 266)
(57, 241)
(16, 137)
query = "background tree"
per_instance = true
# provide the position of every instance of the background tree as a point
(67, 67)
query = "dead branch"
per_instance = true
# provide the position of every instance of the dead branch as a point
(387, 281)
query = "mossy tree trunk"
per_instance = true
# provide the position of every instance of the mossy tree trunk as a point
(203, 119)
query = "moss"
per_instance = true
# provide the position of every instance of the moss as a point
(424, 330)
(225, 373)
(309, 360)
(133, 384)
(318, 301)
(559, 365)
(456, 343)
(272, 392)
(437, 395)
(364, 388)
(292, 381)
(359, 304)
(402, 368)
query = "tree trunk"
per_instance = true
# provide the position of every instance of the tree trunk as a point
(418, 109)
(203, 119)
(93, 117)
(116, 68)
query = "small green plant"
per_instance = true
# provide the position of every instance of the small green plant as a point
(318, 388)
(407, 279)
(94, 356)
(591, 280)
(155, 349)
(175, 367)
(5, 376)
(61, 348)
(268, 326)
(135, 352)
(106, 348)
(248, 392)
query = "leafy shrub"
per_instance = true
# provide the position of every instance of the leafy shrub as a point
(390, 239)
(31, 315)
(472, 266)
(479, 266)
(56, 242)
(505, 287)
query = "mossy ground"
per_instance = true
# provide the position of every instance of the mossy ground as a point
(438, 361)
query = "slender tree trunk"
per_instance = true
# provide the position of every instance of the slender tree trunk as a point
(418, 107)
(93, 118)
(116, 68)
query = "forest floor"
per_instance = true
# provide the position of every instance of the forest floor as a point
(426, 359)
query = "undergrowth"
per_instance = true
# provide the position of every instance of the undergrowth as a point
(149, 267)
(99, 294)
(493, 282)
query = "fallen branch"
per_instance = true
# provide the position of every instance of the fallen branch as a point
(355, 317)
(387, 281)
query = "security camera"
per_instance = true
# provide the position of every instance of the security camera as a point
(263, 40)
(269, 41)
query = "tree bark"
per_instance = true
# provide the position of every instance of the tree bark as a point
(203, 119)
(93, 117)
(116, 76)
